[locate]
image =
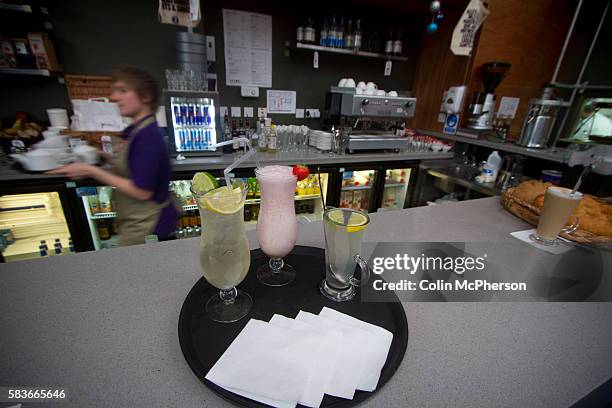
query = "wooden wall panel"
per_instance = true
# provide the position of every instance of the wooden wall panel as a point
(437, 69)
(529, 35)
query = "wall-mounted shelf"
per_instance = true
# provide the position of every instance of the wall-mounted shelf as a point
(350, 52)
(352, 188)
(23, 71)
(556, 154)
(33, 72)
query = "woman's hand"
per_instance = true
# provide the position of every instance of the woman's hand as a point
(75, 171)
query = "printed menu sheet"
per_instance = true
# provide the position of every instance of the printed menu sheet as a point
(248, 48)
(281, 101)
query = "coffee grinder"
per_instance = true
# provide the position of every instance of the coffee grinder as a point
(482, 107)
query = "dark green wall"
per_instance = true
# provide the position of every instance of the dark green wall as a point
(93, 37)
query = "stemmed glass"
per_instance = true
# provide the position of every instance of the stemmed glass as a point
(224, 250)
(276, 224)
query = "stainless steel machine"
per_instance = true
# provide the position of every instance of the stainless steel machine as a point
(540, 120)
(372, 122)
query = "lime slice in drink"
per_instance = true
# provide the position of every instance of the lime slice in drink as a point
(203, 182)
(224, 201)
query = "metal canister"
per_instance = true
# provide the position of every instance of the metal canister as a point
(539, 123)
(191, 51)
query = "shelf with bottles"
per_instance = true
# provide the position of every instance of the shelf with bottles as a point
(335, 37)
(394, 185)
(345, 51)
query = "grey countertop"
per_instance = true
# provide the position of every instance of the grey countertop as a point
(104, 325)
(311, 157)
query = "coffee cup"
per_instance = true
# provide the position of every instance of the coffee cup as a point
(559, 203)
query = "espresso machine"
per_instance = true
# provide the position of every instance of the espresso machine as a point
(480, 110)
(371, 122)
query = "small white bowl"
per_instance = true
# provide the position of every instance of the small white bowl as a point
(342, 83)
(350, 83)
(380, 92)
(361, 84)
(371, 85)
(391, 93)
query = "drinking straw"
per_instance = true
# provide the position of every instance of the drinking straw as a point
(583, 175)
(251, 153)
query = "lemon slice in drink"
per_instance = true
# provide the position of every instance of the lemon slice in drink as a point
(356, 221)
(203, 181)
(224, 201)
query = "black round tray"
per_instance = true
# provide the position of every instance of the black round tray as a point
(203, 341)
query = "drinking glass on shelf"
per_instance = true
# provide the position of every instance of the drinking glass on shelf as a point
(224, 250)
(276, 225)
(559, 203)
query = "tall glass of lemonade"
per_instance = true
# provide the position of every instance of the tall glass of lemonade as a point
(224, 250)
(276, 225)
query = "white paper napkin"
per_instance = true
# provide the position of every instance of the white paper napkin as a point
(325, 361)
(551, 249)
(380, 343)
(267, 363)
(345, 378)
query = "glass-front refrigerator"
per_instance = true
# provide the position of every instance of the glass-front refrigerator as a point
(395, 189)
(33, 225)
(357, 189)
(99, 208)
(193, 122)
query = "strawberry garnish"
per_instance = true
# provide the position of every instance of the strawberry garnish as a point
(300, 171)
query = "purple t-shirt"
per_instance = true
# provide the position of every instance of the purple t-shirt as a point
(151, 170)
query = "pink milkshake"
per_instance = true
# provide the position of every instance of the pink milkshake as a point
(277, 224)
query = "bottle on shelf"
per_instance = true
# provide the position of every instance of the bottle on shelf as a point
(242, 133)
(349, 36)
(397, 44)
(263, 142)
(234, 133)
(389, 43)
(340, 34)
(300, 31)
(357, 36)
(227, 134)
(332, 34)
(43, 249)
(57, 246)
(70, 245)
(271, 136)
(324, 32)
(309, 32)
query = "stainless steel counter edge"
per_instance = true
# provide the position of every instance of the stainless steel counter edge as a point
(221, 162)
(311, 158)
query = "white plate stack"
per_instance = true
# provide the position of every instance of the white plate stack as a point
(286, 361)
(324, 141)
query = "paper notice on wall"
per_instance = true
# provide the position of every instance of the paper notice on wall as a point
(248, 48)
(465, 30)
(508, 107)
(281, 101)
(184, 13)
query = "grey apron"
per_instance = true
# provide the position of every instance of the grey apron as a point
(135, 218)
